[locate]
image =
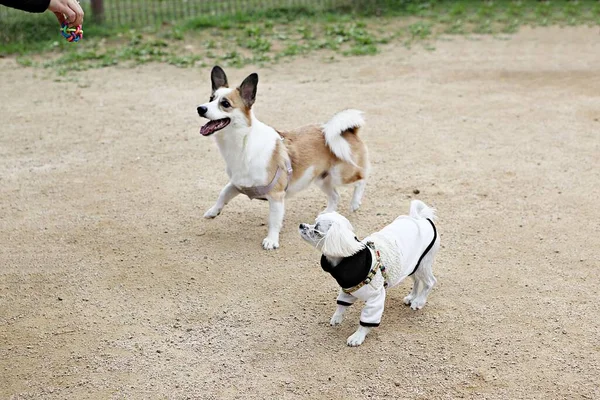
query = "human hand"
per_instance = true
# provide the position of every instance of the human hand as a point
(68, 11)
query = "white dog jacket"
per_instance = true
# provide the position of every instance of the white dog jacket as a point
(401, 245)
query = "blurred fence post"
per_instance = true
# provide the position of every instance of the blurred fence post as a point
(98, 10)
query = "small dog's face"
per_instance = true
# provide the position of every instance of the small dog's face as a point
(228, 106)
(315, 234)
(332, 234)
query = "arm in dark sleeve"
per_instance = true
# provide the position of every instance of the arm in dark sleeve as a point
(34, 6)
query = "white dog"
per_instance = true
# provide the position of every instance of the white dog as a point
(365, 269)
(267, 164)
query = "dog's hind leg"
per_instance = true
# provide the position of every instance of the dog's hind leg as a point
(359, 190)
(228, 193)
(352, 174)
(424, 275)
(426, 285)
(413, 292)
(333, 197)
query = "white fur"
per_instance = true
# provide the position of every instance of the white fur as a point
(334, 128)
(359, 190)
(419, 210)
(400, 245)
(358, 337)
(276, 212)
(338, 315)
(339, 242)
(248, 149)
(228, 193)
(333, 197)
(303, 182)
(214, 112)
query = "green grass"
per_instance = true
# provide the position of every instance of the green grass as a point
(268, 36)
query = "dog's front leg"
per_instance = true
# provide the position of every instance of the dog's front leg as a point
(276, 212)
(358, 337)
(344, 300)
(228, 193)
(370, 317)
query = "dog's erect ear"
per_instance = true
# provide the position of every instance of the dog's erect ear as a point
(248, 89)
(218, 78)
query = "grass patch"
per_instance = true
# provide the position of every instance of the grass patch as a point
(267, 36)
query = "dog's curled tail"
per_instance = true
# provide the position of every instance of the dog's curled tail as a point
(419, 210)
(344, 121)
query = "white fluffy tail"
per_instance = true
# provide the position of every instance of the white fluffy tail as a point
(338, 124)
(419, 210)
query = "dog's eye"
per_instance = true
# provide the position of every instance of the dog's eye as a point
(317, 230)
(225, 104)
(211, 98)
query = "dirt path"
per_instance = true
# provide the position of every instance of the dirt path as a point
(113, 286)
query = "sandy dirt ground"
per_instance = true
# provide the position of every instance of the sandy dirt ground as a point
(112, 286)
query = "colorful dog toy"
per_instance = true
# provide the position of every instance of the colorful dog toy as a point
(71, 34)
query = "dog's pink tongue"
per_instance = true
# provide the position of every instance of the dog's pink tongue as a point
(208, 128)
(213, 126)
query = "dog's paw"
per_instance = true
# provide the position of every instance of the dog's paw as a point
(408, 299)
(336, 319)
(270, 244)
(417, 304)
(356, 339)
(212, 212)
(354, 206)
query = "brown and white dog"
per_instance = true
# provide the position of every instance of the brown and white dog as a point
(268, 164)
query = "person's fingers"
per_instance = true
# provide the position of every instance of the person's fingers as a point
(73, 13)
(60, 17)
(60, 7)
(76, 8)
(70, 14)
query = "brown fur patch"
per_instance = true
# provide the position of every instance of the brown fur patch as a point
(278, 161)
(350, 173)
(236, 101)
(306, 148)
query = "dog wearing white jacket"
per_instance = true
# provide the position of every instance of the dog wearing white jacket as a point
(366, 269)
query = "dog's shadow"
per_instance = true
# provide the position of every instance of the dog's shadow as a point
(398, 313)
(233, 231)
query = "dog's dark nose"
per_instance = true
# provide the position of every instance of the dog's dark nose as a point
(202, 111)
(302, 226)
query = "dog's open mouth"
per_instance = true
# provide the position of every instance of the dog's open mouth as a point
(213, 126)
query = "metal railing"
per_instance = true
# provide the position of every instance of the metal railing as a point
(144, 12)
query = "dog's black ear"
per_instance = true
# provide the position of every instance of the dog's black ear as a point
(248, 89)
(218, 78)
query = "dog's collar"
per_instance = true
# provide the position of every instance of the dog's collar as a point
(378, 266)
(261, 191)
